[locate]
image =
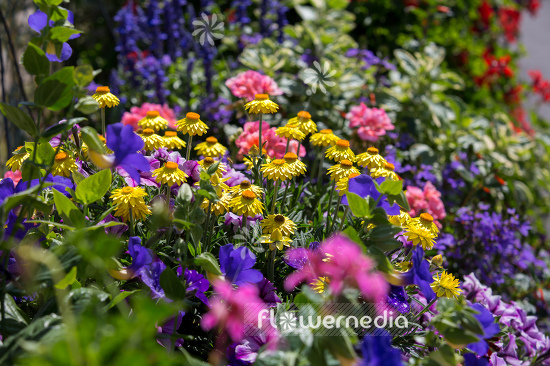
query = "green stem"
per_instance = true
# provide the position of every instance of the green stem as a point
(336, 213)
(287, 145)
(344, 218)
(188, 147)
(329, 205)
(260, 136)
(274, 198)
(319, 180)
(207, 222)
(283, 203)
(271, 269)
(131, 226)
(103, 121)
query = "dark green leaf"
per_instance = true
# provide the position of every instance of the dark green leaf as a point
(14, 319)
(60, 128)
(64, 76)
(35, 60)
(382, 236)
(172, 285)
(94, 187)
(87, 105)
(50, 92)
(19, 118)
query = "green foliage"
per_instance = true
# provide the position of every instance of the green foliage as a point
(94, 187)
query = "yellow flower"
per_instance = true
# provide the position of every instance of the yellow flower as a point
(130, 198)
(404, 266)
(370, 159)
(211, 147)
(219, 208)
(304, 122)
(151, 139)
(324, 138)
(172, 141)
(276, 240)
(427, 221)
(104, 97)
(340, 151)
(386, 171)
(437, 260)
(419, 235)
(192, 124)
(400, 220)
(170, 174)
(277, 169)
(19, 157)
(344, 169)
(153, 120)
(261, 104)
(246, 204)
(297, 166)
(290, 132)
(320, 284)
(446, 285)
(278, 222)
(342, 183)
(208, 161)
(63, 165)
(246, 185)
(249, 164)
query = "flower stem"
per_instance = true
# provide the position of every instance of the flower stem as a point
(189, 147)
(243, 221)
(319, 180)
(271, 269)
(260, 136)
(131, 226)
(283, 202)
(344, 218)
(274, 198)
(287, 144)
(336, 213)
(329, 206)
(103, 120)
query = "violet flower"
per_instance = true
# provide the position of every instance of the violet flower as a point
(377, 351)
(125, 143)
(236, 265)
(398, 299)
(267, 293)
(420, 274)
(196, 283)
(38, 21)
(363, 185)
(490, 328)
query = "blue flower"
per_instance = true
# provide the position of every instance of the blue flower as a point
(377, 351)
(363, 185)
(490, 329)
(6, 189)
(150, 275)
(141, 256)
(420, 274)
(471, 359)
(236, 265)
(196, 283)
(38, 21)
(125, 143)
(398, 299)
(57, 182)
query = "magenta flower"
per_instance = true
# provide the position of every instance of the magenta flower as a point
(427, 200)
(249, 83)
(138, 113)
(371, 122)
(342, 261)
(273, 144)
(235, 310)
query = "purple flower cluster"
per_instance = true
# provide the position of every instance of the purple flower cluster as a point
(483, 238)
(369, 59)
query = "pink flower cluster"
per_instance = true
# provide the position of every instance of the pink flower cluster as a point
(427, 200)
(138, 113)
(15, 176)
(342, 261)
(249, 83)
(371, 122)
(275, 146)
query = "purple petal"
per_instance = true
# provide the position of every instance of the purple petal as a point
(38, 20)
(66, 52)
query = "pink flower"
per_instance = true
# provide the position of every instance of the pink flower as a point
(15, 176)
(427, 200)
(372, 122)
(274, 145)
(138, 113)
(249, 83)
(342, 261)
(233, 309)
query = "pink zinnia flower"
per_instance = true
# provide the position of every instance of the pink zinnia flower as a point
(343, 262)
(15, 176)
(138, 113)
(249, 83)
(371, 122)
(427, 200)
(274, 145)
(235, 310)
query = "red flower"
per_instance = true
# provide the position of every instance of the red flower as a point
(519, 115)
(533, 6)
(486, 12)
(509, 18)
(496, 67)
(443, 9)
(540, 86)
(513, 96)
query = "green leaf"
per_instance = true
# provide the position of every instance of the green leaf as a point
(393, 187)
(121, 297)
(383, 262)
(358, 205)
(60, 128)
(94, 187)
(63, 76)
(78, 177)
(190, 360)
(48, 2)
(35, 60)
(19, 118)
(87, 105)
(45, 154)
(400, 199)
(407, 62)
(50, 92)
(67, 280)
(208, 262)
(14, 319)
(459, 337)
(62, 34)
(351, 233)
(68, 211)
(91, 138)
(172, 285)
(83, 75)
(383, 237)
(212, 168)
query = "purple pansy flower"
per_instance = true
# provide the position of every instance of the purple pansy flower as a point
(236, 265)
(6, 189)
(471, 359)
(296, 258)
(420, 274)
(168, 329)
(377, 351)
(363, 185)
(141, 256)
(125, 143)
(245, 352)
(490, 328)
(38, 21)
(195, 282)
(150, 275)
(113, 230)
(398, 299)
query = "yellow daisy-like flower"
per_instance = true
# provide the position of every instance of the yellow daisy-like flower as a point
(130, 198)
(277, 169)
(219, 208)
(207, 163)
(192, 124)
(370, 159)
(340, 151)
(400, 220)
(427, 221)
(387, 171)
(172, 141)
(153, 120)
(297, 166)
(404, 266)
(324, 138)
(246, 185)
(151, 139)
(445, 284)
(278, 222)
(261, 104)
(211, 147)
(63, 164)
(276, 240)
(170, 174)
(248, 162)
(304, 122)
(19, 157)
(320, 284)
(246, 204)
(419, 235)
(344, 169)
(104, 97)
(290, 132)
(342, 183)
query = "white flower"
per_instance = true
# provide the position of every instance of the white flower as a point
(319, 76)
(208, 29)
